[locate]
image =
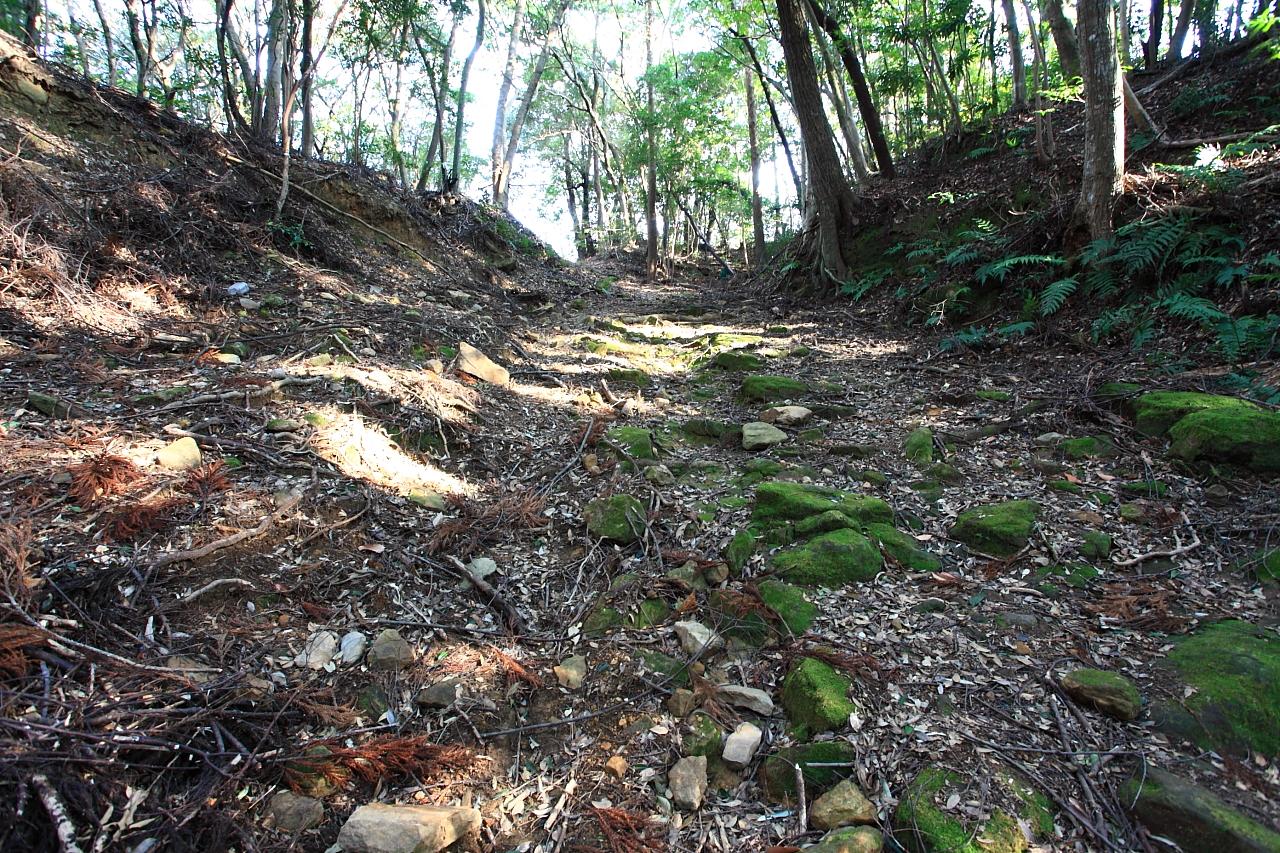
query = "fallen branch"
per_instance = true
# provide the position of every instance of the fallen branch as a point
(226, 542)
(240, 393)
(510, 615)
(62, 825)
(211, 586)
(1177, 550)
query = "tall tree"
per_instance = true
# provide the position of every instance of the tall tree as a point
(1103, 116)
(455, 173)
(1064, 37)
(1156, 22)
(832, 213)
(651, 176)
(1015, 56)
(757, 209)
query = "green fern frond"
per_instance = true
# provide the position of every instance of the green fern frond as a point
(1055, 295)
(998, 269)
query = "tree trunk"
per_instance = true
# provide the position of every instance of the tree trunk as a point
(32, 23)
(496, 153)
(1103, 117)
(651, 178)
(1015, 56)
(1064, 37)
(107, 44)
(571, 196)
(440, 86)
(1156, 22)
(307, 70)
(850, 133)
(1039, 78)
(274, 77)
(757, 209)
(1181, 28)
(135, 14)
(773, 111)
(832, 212)
(451, 182)
(862, 92)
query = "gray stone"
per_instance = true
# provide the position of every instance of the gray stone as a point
(481, 567)
(1021, 620)
(442, 694)
(786, 415)
(688, 781)
(479, 365)
(751, 698)
(352, 647)
(571, 672)
(294, 813)
(180, 455)
(390, 651)
(659, 475)
(758, 435)
(696, 638)
(741, 745)
(380, 828)
(843, 805)
(318, 651)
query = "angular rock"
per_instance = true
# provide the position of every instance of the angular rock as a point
(1174, 808)
(318, 651)
(617, 765)
(843, 805)
(180, 455)
(681, 702)
(758, 435)
(786, 415)
(697, 639)
(659, 475)
(380, 828)
(857, 839)
(741, 745)
(571, 672)
(1106, 692)
(479, 365)
(294, 813)
(481, 567)
(816, 697)
(620, 518)
(687, 779)
(352, 647)
(442, 694)
(390, 651)
(741, 696)
(1001, 529)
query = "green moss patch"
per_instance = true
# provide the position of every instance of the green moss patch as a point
(1096, 545)
(741, 548)
(1157, 412)
(779, 502)
(737, 360)
(636, 442)
(902, 548)
(919, 447)
(1065, 486)
(741, 617)
(816, 697)
(778, 775)
(1145, 488)
(630, 376)
(833, 559)
(1240, 436)
(1087, 447)
(662, 664)
(923, 827)
(993, 395)
(1193, 817)
(620, 518)
(999, 529)
(768, 388)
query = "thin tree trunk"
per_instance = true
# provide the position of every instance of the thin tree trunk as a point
(1181, 28)
(572, 196)
(1104, 117)
(773, 111)
(307, 70)
(1044, 118)
(441, 89)
(32, 23)
(107, 43)
(274, 77)
(451, 183)
(651, 179)
(757, 209)
(1064, 37)
(852, 146)
(1015, 56)
(1156, 22)
(496, 153)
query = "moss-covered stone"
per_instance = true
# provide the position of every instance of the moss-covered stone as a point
(737, 360)
(1087, 447)
(1157, 412)
(999, 529)
(705, 738)
(850, 839)
(1268, 568)
(1065, 486)
(944, 472)
(620, 518)
(1239, 436)
(816, 697)
(923, 827)
(740, 617)
(767, 388)
(992, 394)
(824, 522)
(719, 431)
(636, 442)
(919, 447)
(1235, 669)
(630, 376)
(1146, 488)
(778, 775)
(1075, 575)
(664, 664)
(833, 559)
(1096, 545)
(902, 548)
(779, 502)
(872, 478)
(1194, 818)
(601, 620)
(1107, 692)
(741, 548)
(650, 612)
(1109, 391)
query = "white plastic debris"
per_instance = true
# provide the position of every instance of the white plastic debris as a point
(240, 288)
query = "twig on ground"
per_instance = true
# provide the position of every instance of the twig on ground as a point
(234, 539)
(62, 825)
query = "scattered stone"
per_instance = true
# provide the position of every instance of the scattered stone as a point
(294, 813)
(855, 839)
(617, 765)
(1107, 692)
(833, 559)
(481, 567)
(1096, 545)
(180, 455)
(681, 702)
(740, 747)
(697, 639)
(751, 698)
(318, 650)
(758, 435)
(843, 805)
(1174, 808)
(778, 776)
(435, 365)
(620, 518)
(716, 574)
(571, 672)
(999, 529)
(479, 365)
(688, 781)
(919, 447)
(380, 828)
(787, 415)
(196, 670)
(279, 425)
(816, 697)
(659, 475)
(930, 605)
(390, 651)
(636, 442)
(442, 694)
(1026, 621)
(1049, 439)
(352, 647)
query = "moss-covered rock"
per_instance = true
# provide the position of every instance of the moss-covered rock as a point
(1096, 545)
(1065, 486)
(1109, 391)
(902, 548)
(778, 502)
(833, 560)
(1194, 818)
(717, 431)
(767, 388)
(1239, 436)
(737, 360)
(1107, 692)
(1157, 412)
(944, 472)
(1087, 447)
(919, 447)
(922, 826)
(778, 775)
(739, 616)
(741, 548)
(634, 441)
(664, 664)
(705, 738)
(993, 394)
(816, 698)
(1235, 669)
(850, 839)
(999, 529)
(824, 522)
(630, 376)
(620, 518)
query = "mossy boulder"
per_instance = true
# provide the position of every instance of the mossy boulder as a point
(1087, 447)
(816, 698)
(1239, 436)
(833, 559)
(1157, 412)
(922, 826)
(824, 522)
(1001, 530)
(919, 447)
(1234, 668)
(630, 376)
(634, 441)
(1096, 545)
(718, 431)
(902, 548)
(705, 738)
(664, 664)
(850, 839)
(1145, 488)
(741, 617)
(767, 388)
(778, 502)
(1107, 692)
(737, 360)
(1194, 818)
(778, 775)
(741, 548)
(620, 518)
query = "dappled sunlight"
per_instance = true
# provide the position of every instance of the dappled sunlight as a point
(365, 452)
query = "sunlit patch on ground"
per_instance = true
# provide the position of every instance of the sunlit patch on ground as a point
(365, 452)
